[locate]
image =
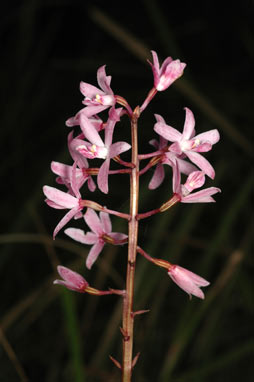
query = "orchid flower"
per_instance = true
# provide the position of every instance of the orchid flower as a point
(169, 71)
(195, 180)
(74, 281)
(101, 232)
(97, 99)
(96, 148)
(167, 158)
(188, 281)
(188, 144)
(71, 280)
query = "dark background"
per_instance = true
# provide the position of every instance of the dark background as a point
(48, 334)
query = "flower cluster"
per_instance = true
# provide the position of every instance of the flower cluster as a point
(92, 138)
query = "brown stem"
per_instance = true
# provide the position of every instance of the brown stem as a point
(128, 318)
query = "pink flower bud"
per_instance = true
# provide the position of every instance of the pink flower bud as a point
(188, 281)
(71, 280)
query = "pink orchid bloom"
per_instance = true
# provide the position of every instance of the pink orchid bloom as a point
(97, 99)
(195, 180)
(101, 233)
(188, 281)
(62, 200)
(169, 72)
(81, 162)
(188, 144)
(76, 175)
(167, 158)
(96, 148)
(71, 280)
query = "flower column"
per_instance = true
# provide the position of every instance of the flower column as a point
(128, 316)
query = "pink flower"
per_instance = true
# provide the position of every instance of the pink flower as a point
(97, 99)
(167, 158)
(188, 281)
(96, 148)
(195, 180)
(188, 144)
(170, 71)
(71, 280)
(101, 233)
(62, 200)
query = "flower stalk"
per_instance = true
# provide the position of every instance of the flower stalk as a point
(128, 318)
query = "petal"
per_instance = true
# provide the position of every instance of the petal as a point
(102, 178)
(118, 236)
(202, 196)
(104, 80)
(94, 253)
(189, 124)
(93, 221)
(90, 131)
(61, 169)
(80, 236)
(157, 178)
(167, 132)
(91, 184)
(155, 68)
(201, 162)
(106, 222)
(164, 65)
(176, 182)
(211, 136)
(88, 90)
(185, 167)
(71, 277)
(59, 197)
(70, 214)
(118, 148)
(93, 109)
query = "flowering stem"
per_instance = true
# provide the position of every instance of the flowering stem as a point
(128, 318)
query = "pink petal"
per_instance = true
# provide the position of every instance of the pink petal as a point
(71, 277)
(202, 196)
(65, 220)
(102, 178)
(103, 80)
(165, 64)
(91, 184)
(167, 132)
(91, 110)
(61, 198)
(176, 179)
(155, 68)
(90, 131)
(189, 124)
(79, 235)
(106, 222)
(88, 90)
(211, 136)
(61, 169)
(157, 178)
(118, 236)
(201, 162)
(94, 253)
(185, 167)
(159, 118)
(93, 221)
(118, 148)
